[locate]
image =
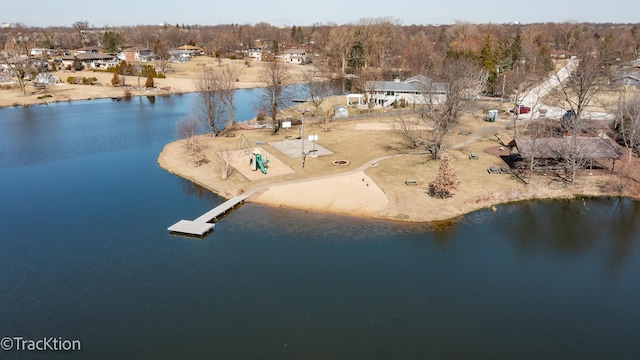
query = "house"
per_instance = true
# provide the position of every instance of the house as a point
(41, 52)
(91, 60)
(88, 50)
(295, 56)
(256, 54)
(191, 49)
(628, 74)
(137, 54)
(414, 90)
(178, 56)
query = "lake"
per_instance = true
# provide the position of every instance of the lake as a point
(85, 254)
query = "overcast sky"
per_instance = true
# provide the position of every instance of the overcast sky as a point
(43, 13)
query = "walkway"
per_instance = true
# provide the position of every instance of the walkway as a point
(202, 225)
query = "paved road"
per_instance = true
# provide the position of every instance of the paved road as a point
(533, 97)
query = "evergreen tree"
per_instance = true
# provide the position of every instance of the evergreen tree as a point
(115, 80)
(149, 82)
(446, 180)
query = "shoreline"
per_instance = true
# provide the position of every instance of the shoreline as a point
(320, 193)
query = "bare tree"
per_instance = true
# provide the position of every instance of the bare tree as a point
(226, 85)
(226, 155)
(341, 42)
(82, 27)
(629, 122)
(187, 129)
(275, 95)
(588, 77)
(443, 102)
(16, 59)
(209, 106)
(446, 179)
(317, 89)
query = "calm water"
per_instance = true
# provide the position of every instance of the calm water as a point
(84, 254)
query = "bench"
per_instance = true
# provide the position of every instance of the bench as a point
(411, 182)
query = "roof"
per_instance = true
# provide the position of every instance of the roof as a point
(89, 56)
(418, 83)
(554, 148)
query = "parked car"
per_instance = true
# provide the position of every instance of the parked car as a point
(521, 110)
(570, 114)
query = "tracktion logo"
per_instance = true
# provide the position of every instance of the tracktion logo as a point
(19, 343)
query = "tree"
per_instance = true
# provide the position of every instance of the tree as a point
(587, 77)
(445, 180)
(82, 27)
(275, 95)
(77, 65)
(226, 85)
(187, 129)
(341, 42)
(15, 58)
(317, 90)
(444, 101)
(628, 122)
(115, 79)
(162, 53)
(208, 105)
(149, 82)
(111, 41)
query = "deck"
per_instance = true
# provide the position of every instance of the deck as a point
(202, 224)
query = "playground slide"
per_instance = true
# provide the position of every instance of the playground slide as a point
(260, 164)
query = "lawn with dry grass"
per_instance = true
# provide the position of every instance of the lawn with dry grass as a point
(388, 162)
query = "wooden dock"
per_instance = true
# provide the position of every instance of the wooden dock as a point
(202, 224)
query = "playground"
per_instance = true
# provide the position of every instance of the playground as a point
(243, 161)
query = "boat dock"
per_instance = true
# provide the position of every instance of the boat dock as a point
(202, 224)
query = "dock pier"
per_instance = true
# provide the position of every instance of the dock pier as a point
(202, 224)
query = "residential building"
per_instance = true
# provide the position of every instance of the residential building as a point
(414, 90)
(137, 54)
(295, 56)
(91, 60)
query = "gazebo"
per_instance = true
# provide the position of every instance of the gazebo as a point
(358, 97)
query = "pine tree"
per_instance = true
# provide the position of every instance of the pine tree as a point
(115, 80)
(446, 180)
(149, 82)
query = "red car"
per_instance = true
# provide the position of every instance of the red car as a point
(521, 110)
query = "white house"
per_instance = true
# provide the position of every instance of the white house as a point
(39, 52)
(415, 90)
(295, 56)
(256, 54)
(137, 54)
(91, 61)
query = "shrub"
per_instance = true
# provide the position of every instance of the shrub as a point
(89, 81)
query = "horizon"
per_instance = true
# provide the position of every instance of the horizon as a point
(330, 12)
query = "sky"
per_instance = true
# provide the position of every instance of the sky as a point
(44, 13)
